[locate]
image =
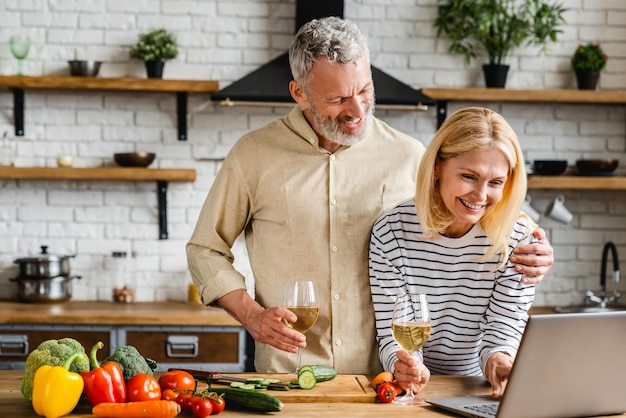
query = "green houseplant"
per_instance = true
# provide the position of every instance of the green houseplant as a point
(497, 27)
(587, 62)
(155, 47)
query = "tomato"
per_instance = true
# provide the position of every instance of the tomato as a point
(382, 377)
(201, 407)
(387, 392)
(188, 401)
(169, 395)
(218, 403)
(177, 379)
(142, 387)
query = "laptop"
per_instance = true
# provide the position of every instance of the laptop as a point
(567, 365)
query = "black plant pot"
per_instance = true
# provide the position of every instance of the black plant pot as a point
(587, 79)
(495, 75)
(154, 69)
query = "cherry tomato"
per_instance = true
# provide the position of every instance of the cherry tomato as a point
(218, 403)
(201, 407)
(142, 387)
(387, 392)
(188, 401)
(184, 400)
(382, 377)
(177, 379)
(169, 395)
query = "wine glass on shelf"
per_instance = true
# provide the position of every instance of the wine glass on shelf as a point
(410, 327)
(20, 45)
(301, 299)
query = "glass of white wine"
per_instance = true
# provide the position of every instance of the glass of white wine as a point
(410, 327)
(301, 299)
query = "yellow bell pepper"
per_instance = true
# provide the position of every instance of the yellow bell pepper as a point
(56, 390)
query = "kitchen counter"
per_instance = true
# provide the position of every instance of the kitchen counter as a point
(109, 313)
(13, 404)
(139, 313)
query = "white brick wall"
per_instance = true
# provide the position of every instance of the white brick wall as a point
(224, 40)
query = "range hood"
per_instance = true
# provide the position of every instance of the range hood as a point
(269, 84)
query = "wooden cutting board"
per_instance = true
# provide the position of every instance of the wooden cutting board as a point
(343, 388)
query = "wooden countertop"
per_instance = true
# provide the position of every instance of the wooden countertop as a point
(13, 404)
(109, 313)
(140, 313)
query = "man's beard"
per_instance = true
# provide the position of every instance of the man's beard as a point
(330, 128)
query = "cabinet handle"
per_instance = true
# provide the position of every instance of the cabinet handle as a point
(182, 346)
(13, 345)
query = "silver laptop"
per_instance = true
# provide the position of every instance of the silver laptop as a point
(567, 365)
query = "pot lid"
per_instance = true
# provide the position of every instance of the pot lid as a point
(43, 256)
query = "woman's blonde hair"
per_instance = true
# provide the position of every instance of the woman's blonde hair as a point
(466, 130)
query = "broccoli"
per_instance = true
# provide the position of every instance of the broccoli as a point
(53, 353)
(131, 361)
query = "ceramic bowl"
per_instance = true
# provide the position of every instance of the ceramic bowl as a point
(596, 167)
(134, 159)
(84, 68)
(549, 167)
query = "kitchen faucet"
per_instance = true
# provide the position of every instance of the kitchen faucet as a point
(603, 299)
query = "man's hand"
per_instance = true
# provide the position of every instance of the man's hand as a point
(264, 325)
(497, 372)
(410, 372)
(534, 260)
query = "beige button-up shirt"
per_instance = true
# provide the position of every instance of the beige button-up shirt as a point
(306, 214)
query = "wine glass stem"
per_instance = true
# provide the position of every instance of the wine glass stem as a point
(19, 66)
(299, 359)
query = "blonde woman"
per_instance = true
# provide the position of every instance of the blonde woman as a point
(453, 242)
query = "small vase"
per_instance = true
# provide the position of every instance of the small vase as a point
(154, 69)
(495, 75)
(587, 79)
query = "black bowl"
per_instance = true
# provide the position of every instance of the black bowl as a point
(596, 167)
(134, 159)
(549, 167)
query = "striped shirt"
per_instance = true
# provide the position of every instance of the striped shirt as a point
(475, 311)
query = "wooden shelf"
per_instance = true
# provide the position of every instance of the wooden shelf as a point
(161, 175)
(444, 95)
(577, 182)
(97, 173)
(181, 87)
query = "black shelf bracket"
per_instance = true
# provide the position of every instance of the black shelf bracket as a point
(18, 111)
(442, 112)
(181, 114)
(162, 201)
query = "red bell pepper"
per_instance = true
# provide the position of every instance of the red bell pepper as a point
(104, 383)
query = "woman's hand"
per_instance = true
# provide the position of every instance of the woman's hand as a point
(497, 372)
(410, 373)
(534, 260)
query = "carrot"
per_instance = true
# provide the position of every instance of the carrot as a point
(152, 409)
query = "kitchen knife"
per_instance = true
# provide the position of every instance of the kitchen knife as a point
(216, 377)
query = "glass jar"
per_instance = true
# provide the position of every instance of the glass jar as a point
(123, 276)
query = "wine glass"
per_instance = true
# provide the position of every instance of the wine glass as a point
(410, 327)
(20, 45)
(301, 299)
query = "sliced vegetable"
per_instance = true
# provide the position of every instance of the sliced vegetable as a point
(322, 373)
(151, 409)
(306, 379)
(251, 400)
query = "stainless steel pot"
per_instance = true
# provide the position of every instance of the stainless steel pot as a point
(56, 289)
(44, 265)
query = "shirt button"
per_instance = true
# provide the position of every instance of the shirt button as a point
(338, 342)
(336, 296)
(332, 157)
(333, 202)
(334, 248)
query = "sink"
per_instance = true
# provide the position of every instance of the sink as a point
(590, 308)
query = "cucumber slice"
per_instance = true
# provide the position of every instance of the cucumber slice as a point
(306, 379)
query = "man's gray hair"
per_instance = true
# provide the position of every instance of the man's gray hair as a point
(336, 39)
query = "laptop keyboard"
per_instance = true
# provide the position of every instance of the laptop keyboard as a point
(488, 408)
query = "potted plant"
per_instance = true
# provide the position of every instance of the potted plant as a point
(497, 27)
(155, 47)
(587, 62)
